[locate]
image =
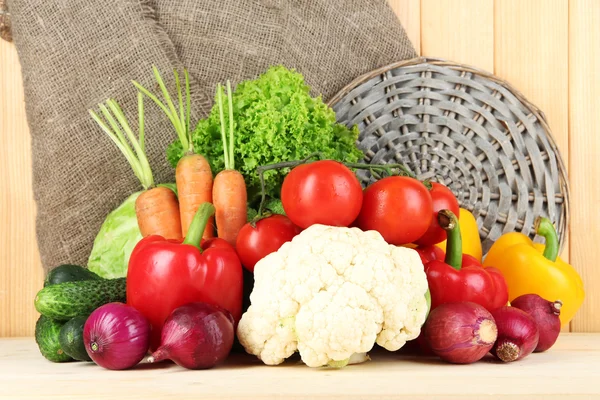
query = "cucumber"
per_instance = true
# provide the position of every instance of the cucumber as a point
(64, 301)
(71, 339)
(69, 273)
(46, 337)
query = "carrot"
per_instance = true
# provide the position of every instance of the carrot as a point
(229, 189)
(193, 175)
(194, 186)
(156, 209)
(155, 206)
(229, 199)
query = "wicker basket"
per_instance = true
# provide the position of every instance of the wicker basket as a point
(465, 128)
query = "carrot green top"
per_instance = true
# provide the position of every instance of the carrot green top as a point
(227, 149)
(180, 119)
(114, 124)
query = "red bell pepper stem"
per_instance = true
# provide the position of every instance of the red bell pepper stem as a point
(544, 227)
(449, 222)
(196, 229)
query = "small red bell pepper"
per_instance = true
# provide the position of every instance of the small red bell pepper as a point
(461, 277)
(430, 253)
(166, 274)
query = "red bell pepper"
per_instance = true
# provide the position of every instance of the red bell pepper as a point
(461, 277)
(430, 253)
(166, 274)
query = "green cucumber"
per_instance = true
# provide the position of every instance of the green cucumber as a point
(46, 337)
(69, 273)
(64, 301)
(71, 339)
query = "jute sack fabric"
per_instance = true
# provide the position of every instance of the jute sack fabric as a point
(329, 41)
(77, 53)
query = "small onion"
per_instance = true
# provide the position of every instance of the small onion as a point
(460, 333)
(518, 334)
(545, 313)
(116, 336)
(196, 336)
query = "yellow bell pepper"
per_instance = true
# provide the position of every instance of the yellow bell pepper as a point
(536, 268)
(471, 242)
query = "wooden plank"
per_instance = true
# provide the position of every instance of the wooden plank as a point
(567, 371)
(459, 30)
(531, 51)
(20, 267)
(584, 146)
(409, 13)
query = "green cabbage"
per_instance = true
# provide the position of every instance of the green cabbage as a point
(276, 120)
(116, 239)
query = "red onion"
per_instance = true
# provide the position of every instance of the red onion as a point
(517, 334)
(116, 336)
(545, 313)
(196, 336)
(460, 333)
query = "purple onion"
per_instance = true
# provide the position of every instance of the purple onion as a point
(518, 334)
(460, 333)
(196, 336)
(545, 313)
(116, 336)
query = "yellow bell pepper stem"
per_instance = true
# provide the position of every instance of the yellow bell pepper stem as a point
(544, 228)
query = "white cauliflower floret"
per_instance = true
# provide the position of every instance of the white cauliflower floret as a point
(332, 292)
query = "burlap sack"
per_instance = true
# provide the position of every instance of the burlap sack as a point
(330, 41)
(76, 53)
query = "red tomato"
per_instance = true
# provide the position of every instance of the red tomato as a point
(443, 199)
(398, 207)
(323, 192)
(255, 243)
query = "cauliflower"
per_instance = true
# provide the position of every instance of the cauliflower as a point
(331, 293)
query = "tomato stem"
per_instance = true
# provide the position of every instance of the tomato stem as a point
(258, 217)
(196, 229)
(544, 227)
(449, 222)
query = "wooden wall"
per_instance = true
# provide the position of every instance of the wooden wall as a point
(548, 49)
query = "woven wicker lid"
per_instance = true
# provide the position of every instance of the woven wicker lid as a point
(467, 129)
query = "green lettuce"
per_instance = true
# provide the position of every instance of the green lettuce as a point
(276, 120)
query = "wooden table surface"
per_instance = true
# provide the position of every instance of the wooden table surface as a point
(570, 370)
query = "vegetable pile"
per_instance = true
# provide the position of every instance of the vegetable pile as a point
(267, 241)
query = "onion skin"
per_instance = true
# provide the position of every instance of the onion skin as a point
(546, 314)
(116, 336)
(460, 333)
(518, 334)
(196, 336)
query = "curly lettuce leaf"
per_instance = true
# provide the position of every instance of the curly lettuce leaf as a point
(275, 120)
